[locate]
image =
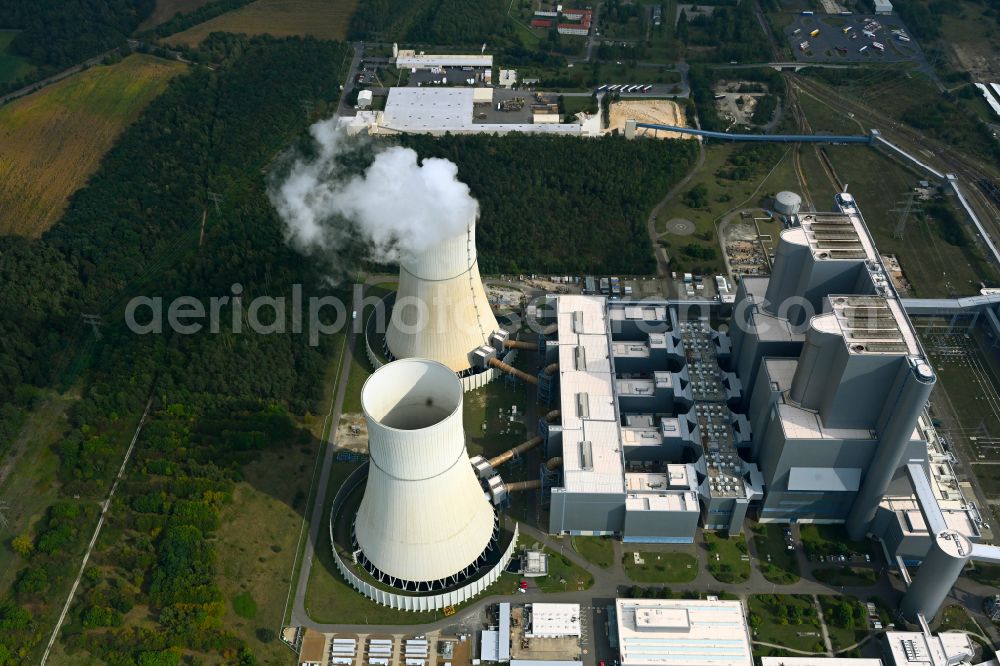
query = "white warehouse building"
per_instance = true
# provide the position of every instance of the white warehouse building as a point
(554, 621)
(682, 632)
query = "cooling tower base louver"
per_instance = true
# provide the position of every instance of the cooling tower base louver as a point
(457, 578)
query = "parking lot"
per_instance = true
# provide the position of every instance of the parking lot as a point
(833, 44)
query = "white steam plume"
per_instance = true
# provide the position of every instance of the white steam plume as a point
(399, 206)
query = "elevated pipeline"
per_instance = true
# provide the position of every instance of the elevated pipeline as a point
(516, 451)
(511, 370)
(518, 486)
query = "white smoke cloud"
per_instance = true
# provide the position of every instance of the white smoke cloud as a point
(399, 205)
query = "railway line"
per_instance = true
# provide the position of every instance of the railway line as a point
(974, 176)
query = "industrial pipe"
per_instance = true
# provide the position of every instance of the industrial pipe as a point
(516, 451)
(509, 369)
(554, 463)
(551, 369)
(518, 344)
(550, 329)
(534, 484)
(552, 416)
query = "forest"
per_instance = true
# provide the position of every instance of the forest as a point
(543, 210)
(451, 22)
(217, 400)
(56, 34)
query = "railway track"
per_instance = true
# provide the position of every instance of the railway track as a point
(979, 185)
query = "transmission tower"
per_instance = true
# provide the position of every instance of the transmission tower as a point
(94, 321)
(308, 106)
(4, 514)
(904, 208)
(215, 198)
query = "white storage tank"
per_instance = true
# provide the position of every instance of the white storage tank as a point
(787, 203)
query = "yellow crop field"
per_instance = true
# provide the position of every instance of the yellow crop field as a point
(324, 19)
(53, 140)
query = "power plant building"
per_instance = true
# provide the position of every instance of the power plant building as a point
(682, 632)
(808, 407)
(647, 440)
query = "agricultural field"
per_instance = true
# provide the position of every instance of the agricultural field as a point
(12, 67)
(165, 10)
(54, 139)
(323, 19)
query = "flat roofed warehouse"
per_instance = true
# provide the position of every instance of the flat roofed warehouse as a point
(554, 621)
(682, 632)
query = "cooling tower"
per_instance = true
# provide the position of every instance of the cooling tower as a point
(441, 310)
(424, 522)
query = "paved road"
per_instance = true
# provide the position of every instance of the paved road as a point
(300, 615)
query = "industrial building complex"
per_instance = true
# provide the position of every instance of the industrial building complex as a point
(802, 399)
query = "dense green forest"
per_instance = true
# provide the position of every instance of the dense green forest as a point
(542, 208)
(56, 34)
(733, 32)
(218, 399)
(446, 22)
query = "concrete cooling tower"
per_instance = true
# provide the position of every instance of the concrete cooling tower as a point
(441, 310)
(424, 522)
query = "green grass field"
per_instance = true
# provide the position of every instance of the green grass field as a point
(323, 19)
(54, 139)
(726, 556)
(597, 550)
(564, 576)
(28, 475)
(785, 619)
(778, 564)
(723, 195)
(932, 266)
(820, 540)
(661, 567)
(256, 542)
(12, 67)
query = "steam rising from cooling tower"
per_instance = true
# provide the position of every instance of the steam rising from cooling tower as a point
(400, 206)
(407, 211)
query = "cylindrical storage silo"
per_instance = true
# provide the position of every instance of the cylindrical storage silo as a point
(424, 522)
(441, 310)
(787, 203)
(937, 574)
(911, 394)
